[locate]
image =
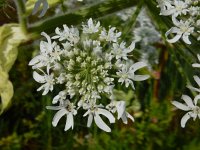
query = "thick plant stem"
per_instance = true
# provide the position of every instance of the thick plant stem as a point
(21, 14)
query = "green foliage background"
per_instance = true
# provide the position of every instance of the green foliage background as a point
(26, 124)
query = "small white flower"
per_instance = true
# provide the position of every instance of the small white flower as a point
(120, 51)
(90, 27)
(120, 107)
(62, 35)
(60, 97)
(164, 5)
(178, 8)
(64, 108)
(127, 75)
(44, 59)
(197, 79)
(190, 106)
(69, 34)
(182, 30)
(197, 64)
(111, 36)
(46, 79)
(95, 111)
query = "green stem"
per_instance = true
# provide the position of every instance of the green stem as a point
(131, 23)
(49, 126)
(21, 10)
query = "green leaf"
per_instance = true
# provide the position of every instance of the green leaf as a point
(6, 90)
(11, 36)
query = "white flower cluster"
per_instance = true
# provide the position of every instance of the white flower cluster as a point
(191, 106)
(145, 33)
(185, 16)
(87, 64)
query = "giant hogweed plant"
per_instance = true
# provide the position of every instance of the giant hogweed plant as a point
(90, 61)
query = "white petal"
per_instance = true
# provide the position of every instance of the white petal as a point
(54, 107)
(193, 115)
(168, 12)
(187, 100)
(186, 39)
(90, 23)
(124, 118)
(140, 77)
(137, 66)
(55, 99)
(128, 81)
(35, 60)
(57, 116)
(90, 119)
(131, 47)
(198, 56)
(47, 37)
(175, 21)
(193, 88)
(129, 116)
(174, 39)
(87, 112)
(46, 90)
(196, 99)
(57, 31)
(173, 30)
(107, 114)
(101, 124)
(196, 65)
(69, 122)
(39, 78)
(40, 88)
(180, 106)
(197, 79)
(184, 120)
(121, 105)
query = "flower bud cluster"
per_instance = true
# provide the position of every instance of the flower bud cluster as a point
(88, 64)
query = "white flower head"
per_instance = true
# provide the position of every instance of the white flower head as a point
(193, 111)
(86, 64)
(95, 111)
(64, 108)
(182, 30)
(46, 79)
(90, 27)
(120, 51)
(120, 107)
(111, 36)
(174, 8)
(127, 74)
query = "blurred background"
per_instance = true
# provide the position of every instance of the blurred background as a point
(25, 124)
